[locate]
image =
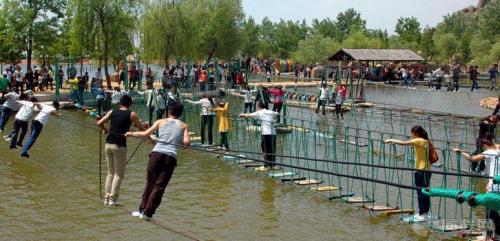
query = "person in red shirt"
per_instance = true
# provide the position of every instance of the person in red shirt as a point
(278, 94)
(203, 79)
(340, 98)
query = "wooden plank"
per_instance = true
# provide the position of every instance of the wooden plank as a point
(411, 219)
(357, 200)
(349, 194)
(253, 165)
(308, 182)
(282, 174)
(325, 188)
(449, 227)
(399, 211)
(379, 208)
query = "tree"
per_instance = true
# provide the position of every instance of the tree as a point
(287, 36)
(218, 34)
(447, 45)
(325, 27)
(408, 30)
(315, 48)
(495, 52)
(267, 42)
(488, 21)
(250, 38)
(348, 22)
(359, 40)
(11, 39)
(427, 44)
(105, 15)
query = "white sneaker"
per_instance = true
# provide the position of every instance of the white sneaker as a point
(8, 139)
(136, 214)
(106, 201)
(418, 218)
(144, 217)
(114, 203)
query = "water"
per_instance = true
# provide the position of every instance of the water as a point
(55, 196)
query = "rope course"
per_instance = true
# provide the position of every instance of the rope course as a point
(348, 159)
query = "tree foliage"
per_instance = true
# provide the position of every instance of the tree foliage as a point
(314, 49)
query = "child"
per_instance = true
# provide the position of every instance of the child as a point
(37, 125)
(223, 117)
(420, 141)
(163, 158)
(491, 156)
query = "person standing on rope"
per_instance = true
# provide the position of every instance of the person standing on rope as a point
(172, 96)
(323, 98)
(268, 132)
(37, 125)
(151, 98)
(248, 99)
(340, 98)
(423, 147)
(21, 123)
(163, 158)
(223, 118)
(490, 156)
(116, 146)
(207, 116)
(486, 127)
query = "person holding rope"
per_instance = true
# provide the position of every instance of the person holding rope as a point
(423, 153)
(37, 124)
(491, 157)
(163, 158)
(486, 127)
(207, 116)
(116, 146)
(268, 137)
(21, 123)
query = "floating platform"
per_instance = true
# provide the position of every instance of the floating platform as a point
(399, 211)
(325, 188)
(448, 227)
(282, 174)
(231, 158)
(411, 219)
(246, 161)
(379, 208)
(253, 165)
(349, 194)
(308, 182)
(265, 169)
(357, 200)
(195, 138)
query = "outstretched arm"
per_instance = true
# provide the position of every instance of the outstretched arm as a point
(398, 142)
(146, 133)
(469, 157)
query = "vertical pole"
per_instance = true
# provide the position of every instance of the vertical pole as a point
(56, 76)
(125, 73)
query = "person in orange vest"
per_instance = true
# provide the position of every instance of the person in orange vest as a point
(203, 79)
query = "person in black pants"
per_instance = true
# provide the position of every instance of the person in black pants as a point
(207, 116)
(486, 128)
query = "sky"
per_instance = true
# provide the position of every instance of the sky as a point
(381, 14)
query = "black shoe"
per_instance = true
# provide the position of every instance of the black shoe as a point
(25, 155)
(19, 144)
(12, 147)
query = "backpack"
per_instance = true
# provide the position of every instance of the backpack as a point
(433, 156)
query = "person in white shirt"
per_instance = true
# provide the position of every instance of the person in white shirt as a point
(37, 124)
(18, 74)
(439, 73)
(207, 116)
(323, 98)
(491, 156)
(248, 98)
(21, 122)
(268, 132)
(8, 107)
(98, 78)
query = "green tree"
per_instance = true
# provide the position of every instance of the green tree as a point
(348, 22)
(105, 15)
(11, 39)
(447, 45)
(325, 27)
(488, 21)
(427, 44)
(250, 38)
(495, 52)
(267, 42)
(359, 40)
(408, 30)
(315, 48)
(288, 34)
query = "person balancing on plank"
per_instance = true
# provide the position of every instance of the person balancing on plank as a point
(37, 124)
(268, 137)
(163, 157)
(116, 146)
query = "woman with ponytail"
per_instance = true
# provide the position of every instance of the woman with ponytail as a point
(420, 141)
